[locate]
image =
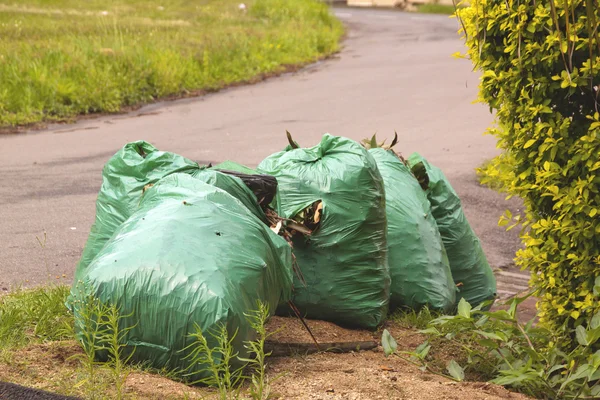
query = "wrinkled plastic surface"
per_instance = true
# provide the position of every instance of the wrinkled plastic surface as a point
(234, 186)
(124, 177)
(234, 166)
(418, 263)
(191, 254)
(470, 269)
(344, 261)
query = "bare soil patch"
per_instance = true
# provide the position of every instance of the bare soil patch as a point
(352, 375)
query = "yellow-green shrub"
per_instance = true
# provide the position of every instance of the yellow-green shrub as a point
(540, 61)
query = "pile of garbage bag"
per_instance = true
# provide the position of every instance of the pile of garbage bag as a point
(337, 232)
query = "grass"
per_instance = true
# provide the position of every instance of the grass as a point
(408, 319)
(63, 58)
(432, 8)
(34, 316)
(38, 349)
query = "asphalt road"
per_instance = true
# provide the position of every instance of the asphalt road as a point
(394, 73)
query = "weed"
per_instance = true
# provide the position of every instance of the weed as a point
(409, 318)
(90, 315)
(42, 243)
(260, 383)
(528, 358)
(113, 342)
(215, 361)
(98, 328)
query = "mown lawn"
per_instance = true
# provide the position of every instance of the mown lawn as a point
(432, 8)
(61, 58)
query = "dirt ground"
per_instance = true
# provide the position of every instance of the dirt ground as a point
(354, 375)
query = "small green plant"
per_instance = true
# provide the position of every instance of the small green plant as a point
(42, 243)
(409, 318)
(524, 357)
(113, 341)
(98, 328)
(417, 357)
(260, 383)
(215, 361)
(90, 317)
(217, 358)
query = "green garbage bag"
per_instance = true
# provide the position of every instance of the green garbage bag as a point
(124, 177)
(344, 261)
(470, 269)
(190, 254)
(264, 187)
(234, 186)
(234, 166)
(418, 263)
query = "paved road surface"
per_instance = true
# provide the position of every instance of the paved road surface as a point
(395, 73)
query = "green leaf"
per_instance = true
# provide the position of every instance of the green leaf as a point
(456, 371)
(597, 286)
(430, 331)
(592, 336)
(388, 343)
(422, 350)
(594, 359)
(464, 308)
(556, 368)
(442, 320)
(373, 143)
(581, 335)
(529, 143)
(489, 343)
(583, 371)
(501, 315)
(595, 322)
(510, 377)
(490, 335)
(482, 321)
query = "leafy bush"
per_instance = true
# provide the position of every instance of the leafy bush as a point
(541, 70)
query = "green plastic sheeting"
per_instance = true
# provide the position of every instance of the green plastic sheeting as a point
(190, 254)
(233, 166)
(234, 186)
(470, 269)
(418, 263)
(344, 261)
(264, 187)
(124, 177)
